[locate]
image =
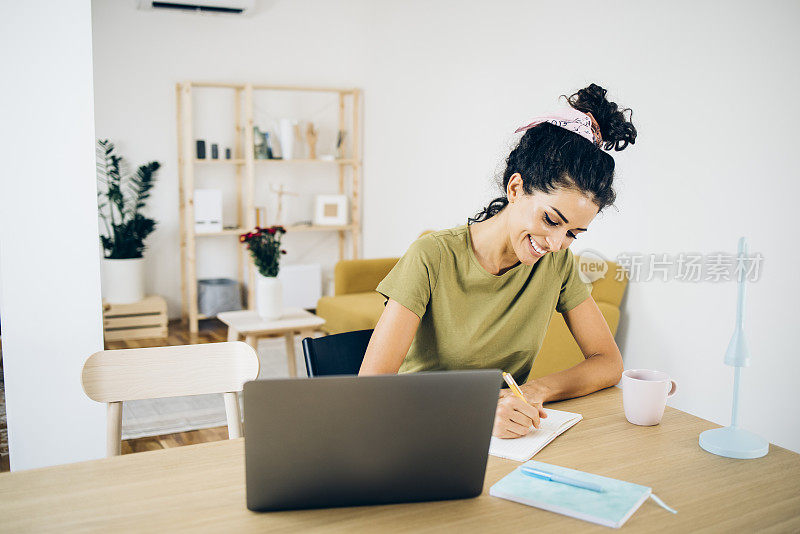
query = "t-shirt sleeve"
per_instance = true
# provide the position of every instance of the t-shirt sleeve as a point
(413, 279)
(573, 289)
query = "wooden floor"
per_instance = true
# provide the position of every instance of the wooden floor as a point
(211, 331)
(166, 441)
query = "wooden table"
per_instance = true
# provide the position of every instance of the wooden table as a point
(252, 327)
(202, 487)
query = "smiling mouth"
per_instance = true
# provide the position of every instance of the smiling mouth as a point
(538, 251)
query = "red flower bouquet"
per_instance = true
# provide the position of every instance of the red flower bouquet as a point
(264, 245)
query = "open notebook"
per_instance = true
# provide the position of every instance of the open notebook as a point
(521, 449)
(611, 507)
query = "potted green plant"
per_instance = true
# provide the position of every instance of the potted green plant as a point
(121, 196)
(264, 245)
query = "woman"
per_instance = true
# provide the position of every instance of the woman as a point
(481, 295)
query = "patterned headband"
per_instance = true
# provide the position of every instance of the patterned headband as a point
(573, 120)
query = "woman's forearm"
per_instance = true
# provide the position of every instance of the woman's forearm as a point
(595, 372)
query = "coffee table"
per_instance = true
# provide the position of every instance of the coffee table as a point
(249, 325)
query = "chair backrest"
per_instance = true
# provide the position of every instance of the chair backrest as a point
(149, 373)
(115, 376)
(339, 354)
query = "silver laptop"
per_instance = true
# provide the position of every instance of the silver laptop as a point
(343, 441)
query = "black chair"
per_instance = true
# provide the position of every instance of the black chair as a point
(339, 354)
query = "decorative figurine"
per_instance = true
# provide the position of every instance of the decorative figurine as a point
(311, 139)
(299, 141)
(279, 192)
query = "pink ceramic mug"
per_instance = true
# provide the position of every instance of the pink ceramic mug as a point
(644, 395)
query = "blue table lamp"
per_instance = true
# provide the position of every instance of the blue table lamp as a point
(733, 441)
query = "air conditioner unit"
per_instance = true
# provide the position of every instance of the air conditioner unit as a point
(232, 7)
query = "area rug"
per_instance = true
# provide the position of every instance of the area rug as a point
(155, 417)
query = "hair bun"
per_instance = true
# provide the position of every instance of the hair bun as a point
(617, 131)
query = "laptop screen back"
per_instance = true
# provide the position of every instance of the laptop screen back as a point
(340, 441)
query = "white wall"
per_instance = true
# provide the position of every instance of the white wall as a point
(446, 84)
(49, 292)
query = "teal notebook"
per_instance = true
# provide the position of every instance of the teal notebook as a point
(618, 501)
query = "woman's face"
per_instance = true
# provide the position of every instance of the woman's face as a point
(541, 223)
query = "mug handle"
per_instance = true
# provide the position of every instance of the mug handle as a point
(673, 389)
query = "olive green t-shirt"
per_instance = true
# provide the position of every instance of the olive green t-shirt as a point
(472, 319)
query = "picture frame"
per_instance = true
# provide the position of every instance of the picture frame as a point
(331, 210)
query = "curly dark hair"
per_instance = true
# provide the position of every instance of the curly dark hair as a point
(549, 157)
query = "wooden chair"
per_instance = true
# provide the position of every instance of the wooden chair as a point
(115, 376)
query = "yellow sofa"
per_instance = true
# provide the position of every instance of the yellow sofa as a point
(357, 306)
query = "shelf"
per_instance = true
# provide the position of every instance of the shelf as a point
(219, 161)
(311, 228)
(344, 91)
(298, 228)
(248, 170)
(226, 231)
(227, 85)
(307, 160)
(273, 161)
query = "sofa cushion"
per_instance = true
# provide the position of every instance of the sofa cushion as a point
(609, 289)
(360, 276)
(347, 313)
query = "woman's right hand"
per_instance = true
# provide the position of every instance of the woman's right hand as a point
(514, 417)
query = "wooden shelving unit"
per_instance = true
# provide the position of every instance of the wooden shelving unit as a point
(244, 166)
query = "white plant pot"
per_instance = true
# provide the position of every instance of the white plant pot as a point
(123, 280)
(269, 297)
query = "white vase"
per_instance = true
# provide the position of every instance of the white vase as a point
(269, 297)
(286, 127)
(123, 280)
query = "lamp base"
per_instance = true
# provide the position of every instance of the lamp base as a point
(734, 442)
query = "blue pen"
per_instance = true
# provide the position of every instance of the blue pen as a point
(552, 477)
